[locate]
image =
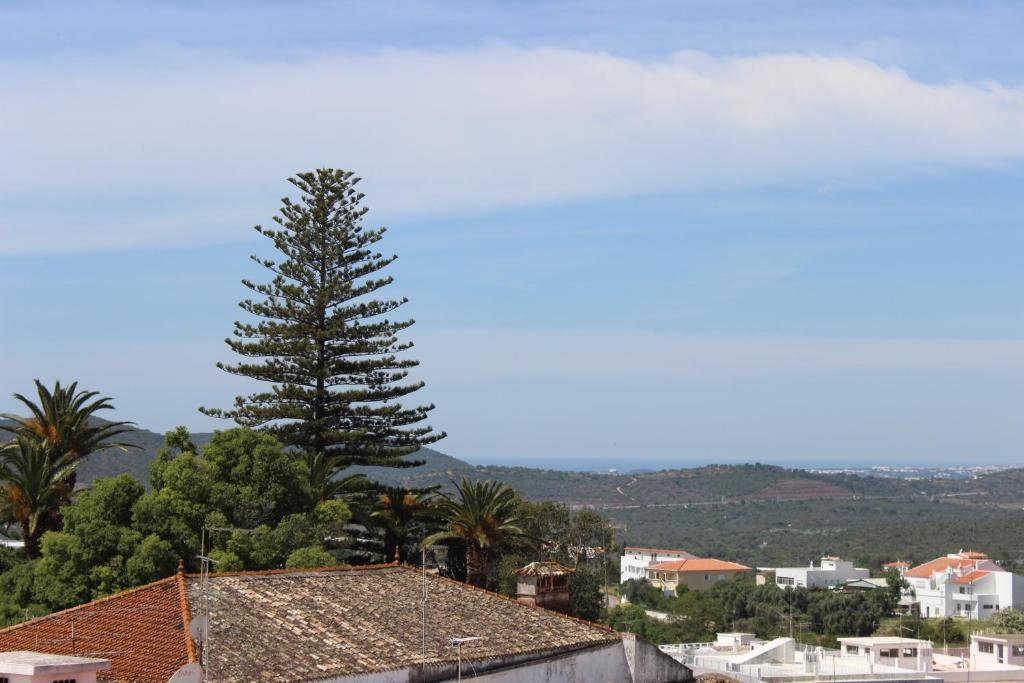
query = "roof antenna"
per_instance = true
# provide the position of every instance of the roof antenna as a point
(459, 642)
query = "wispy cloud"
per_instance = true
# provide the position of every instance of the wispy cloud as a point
(104, 156)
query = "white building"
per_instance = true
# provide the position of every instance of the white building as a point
(990, 651)
(964, 584)
(831, 573)
(886, 653)
(783, 660)
(635, 560)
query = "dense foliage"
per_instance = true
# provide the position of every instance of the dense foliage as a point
(243, 488)
(323, 344)
(740, 605)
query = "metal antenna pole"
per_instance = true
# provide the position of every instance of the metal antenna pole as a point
(423, 606)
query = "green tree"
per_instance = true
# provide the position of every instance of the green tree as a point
(323, 343)
(241, 479)
(1008, 621)
(310, 556)
(485, 515)
(585, 597)
(405, 517)
(35, 485)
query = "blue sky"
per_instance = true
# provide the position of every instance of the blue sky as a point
(632, 233)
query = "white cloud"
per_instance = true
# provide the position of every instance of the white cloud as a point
(99, 155)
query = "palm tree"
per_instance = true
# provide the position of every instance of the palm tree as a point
(485, 515)
(35, 484)
(63, 423)
(402, 515)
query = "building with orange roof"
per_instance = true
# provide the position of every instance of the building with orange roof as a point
(695, 573)
(964, 584)
(343, 624)
(636, 559)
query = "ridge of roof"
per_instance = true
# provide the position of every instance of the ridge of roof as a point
(541, 567)
(293, 570)
(186, 614)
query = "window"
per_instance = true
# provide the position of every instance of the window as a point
(784, 580)
(65, 680)
(721, 577)
(963, 589)
(987, 648)
(852, 650)
(909, 652)
(987, 606)
(889, 653)
(1017, 650)
(707, 577)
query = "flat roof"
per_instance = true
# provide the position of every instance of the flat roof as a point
(24, 662)
(868, 641)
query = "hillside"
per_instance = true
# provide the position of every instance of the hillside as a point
(757, 514)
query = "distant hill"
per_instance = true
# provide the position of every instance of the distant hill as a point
(698, 485)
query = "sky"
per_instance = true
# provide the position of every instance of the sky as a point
(632, 234)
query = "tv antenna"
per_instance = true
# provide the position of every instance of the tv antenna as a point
(459, 642)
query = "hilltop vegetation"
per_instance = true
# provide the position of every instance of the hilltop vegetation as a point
(756, 514)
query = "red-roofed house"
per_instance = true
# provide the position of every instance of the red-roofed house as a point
(964, 584)
(696, 574)
(636, 560)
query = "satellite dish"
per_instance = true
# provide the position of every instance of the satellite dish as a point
(190, 673)
(196, 627)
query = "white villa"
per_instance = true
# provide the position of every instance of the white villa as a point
(831, 573)
(964, 584)
(636, 560)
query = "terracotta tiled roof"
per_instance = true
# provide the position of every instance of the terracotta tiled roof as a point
(973, 555)
(303, 625)
(959, 563)
(896, 565)
(699, 565)
(971, 577)
(141, 632)
(544, 569)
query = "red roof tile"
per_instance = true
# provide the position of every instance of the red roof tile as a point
(971, 577)
(699, 565)
(141, 631)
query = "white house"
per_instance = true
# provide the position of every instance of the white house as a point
(964, 584)
(885, 653)
(990, 651)
(635, 560)
(831, 573)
